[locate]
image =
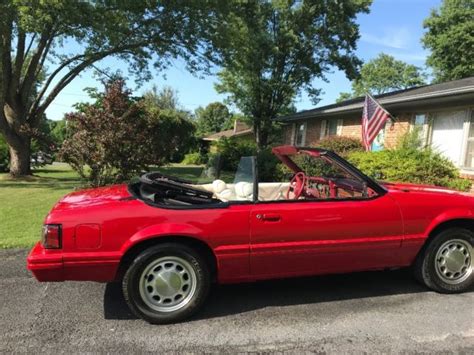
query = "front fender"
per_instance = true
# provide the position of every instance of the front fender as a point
(449, 215)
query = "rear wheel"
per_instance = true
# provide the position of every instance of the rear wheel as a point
(166, 283)
(446, 265)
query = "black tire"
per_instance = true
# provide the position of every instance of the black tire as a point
(427, 271)
(131, 283)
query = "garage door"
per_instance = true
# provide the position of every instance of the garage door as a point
(448, 134)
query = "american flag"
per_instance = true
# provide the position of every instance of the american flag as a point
(373, 119)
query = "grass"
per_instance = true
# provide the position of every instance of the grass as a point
(24, 203)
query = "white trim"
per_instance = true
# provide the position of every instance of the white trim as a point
(340, 124)
(466, 128)
(322, 132)
(297, 131)
(292, 138)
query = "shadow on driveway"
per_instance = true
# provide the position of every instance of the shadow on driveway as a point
(234, 299)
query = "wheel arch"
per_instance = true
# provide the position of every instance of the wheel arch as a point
(201, 247)
(467, 223)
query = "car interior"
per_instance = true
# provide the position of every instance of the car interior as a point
(311, 176)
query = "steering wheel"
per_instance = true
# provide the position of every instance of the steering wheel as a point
(297, 185)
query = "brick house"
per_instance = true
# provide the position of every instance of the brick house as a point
(444, 112)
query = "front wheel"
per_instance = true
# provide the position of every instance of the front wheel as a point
(446, 265)
(166, 283)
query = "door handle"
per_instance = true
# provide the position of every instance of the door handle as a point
(269, 217)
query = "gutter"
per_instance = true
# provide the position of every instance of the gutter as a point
(359, 105)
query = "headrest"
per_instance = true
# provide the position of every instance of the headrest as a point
(226, 195)
(218, 186)
(244, 189)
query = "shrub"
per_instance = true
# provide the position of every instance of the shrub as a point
(193, 159)
(117, 137)
(230, 151)
(269, 167)
(341, 145)
(4, 155)
(423, 166)
(228, 154)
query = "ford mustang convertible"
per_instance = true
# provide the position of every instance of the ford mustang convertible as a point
(167, 239)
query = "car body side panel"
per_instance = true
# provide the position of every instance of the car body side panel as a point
(126, 223)
(424, 210)
(341, 235)
(325, 237)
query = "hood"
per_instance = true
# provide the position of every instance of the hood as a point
(94, 197)
(407, 187)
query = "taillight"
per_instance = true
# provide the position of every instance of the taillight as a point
(51, 238)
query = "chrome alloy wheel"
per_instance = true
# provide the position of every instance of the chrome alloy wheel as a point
(167, 284)
(453, 262)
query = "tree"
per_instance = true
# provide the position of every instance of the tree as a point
(343, 96)
(274, 50)
(32, 34)
(164, 99)
(213, 118)
(166, 109)
(58, 131)
(117, 136)
(450, 38)
(384, 74)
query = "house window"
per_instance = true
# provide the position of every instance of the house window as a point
(469, 162)
(300, 134)
(331, 128)
(420, 122)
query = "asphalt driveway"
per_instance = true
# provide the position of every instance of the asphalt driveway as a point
(364, 312)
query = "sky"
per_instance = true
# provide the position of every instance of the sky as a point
(392, 26)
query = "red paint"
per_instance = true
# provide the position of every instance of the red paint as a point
(250, 241)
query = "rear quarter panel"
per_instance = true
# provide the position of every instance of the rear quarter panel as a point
(128, 222)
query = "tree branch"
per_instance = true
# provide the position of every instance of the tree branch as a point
(32, 40)
(6, 60)
(37, 109)
(19, 59)
(29, 78)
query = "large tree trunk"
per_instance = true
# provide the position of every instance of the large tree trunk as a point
(261, 134)
(20, 163)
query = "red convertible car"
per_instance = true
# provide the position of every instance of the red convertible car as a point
(167, 240)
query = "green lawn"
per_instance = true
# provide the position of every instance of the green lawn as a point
(24, 203)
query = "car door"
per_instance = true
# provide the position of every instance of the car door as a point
(290, 238)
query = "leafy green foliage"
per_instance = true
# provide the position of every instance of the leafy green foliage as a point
(117, 137)
(213, 118)
(193, 159)
(450, 38)
(410, 162)
(343, 96)
(341, 145)
(165, 107)
(144, 34)
(384, 74)
(4, 155)
(164, 99)
(229, 151)
(273, 50)
(58, 132)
